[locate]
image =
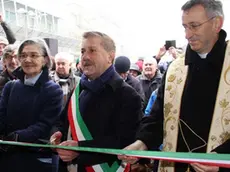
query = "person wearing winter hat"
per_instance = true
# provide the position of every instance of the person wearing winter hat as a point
(134, 70)
(4, 42)
(122, 66)
(78, 70)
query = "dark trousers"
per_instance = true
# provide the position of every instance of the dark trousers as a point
(26, 162)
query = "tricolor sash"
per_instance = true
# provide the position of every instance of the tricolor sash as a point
(174, 86)
(80, 132)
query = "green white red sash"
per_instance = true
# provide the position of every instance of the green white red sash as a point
(80, 132)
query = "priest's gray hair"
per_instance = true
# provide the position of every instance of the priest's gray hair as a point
(213, 8)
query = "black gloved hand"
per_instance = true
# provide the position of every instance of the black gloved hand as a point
(10, 137)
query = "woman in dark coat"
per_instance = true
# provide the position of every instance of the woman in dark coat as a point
(28, 108)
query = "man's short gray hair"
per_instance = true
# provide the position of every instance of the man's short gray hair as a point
(150, 60)
(11, 48)
(64, 55)
(213, 8)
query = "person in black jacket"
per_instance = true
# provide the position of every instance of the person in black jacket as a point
(122, 66)
(109, 108)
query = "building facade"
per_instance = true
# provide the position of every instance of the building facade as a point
(27, 21)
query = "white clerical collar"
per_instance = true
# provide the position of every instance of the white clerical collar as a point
(203, 56)
(33, 80)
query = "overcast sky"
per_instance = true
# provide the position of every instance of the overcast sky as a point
(146, 24)
(143, 25)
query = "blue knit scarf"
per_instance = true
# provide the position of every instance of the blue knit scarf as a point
(94, 87)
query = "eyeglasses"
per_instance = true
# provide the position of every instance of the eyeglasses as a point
(10, 57)
(24, 56)
(195, 26)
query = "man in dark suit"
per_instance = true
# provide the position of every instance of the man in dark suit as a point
(109, 118)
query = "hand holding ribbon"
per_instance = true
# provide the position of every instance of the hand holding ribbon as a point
(55, 139)
(204, 168)
(138, 145)
(68, 155)
(65, 155)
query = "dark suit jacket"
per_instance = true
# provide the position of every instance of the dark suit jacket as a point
(112, 118)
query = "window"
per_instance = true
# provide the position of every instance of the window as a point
(10, 17)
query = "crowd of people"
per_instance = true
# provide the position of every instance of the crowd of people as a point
(175, 101)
